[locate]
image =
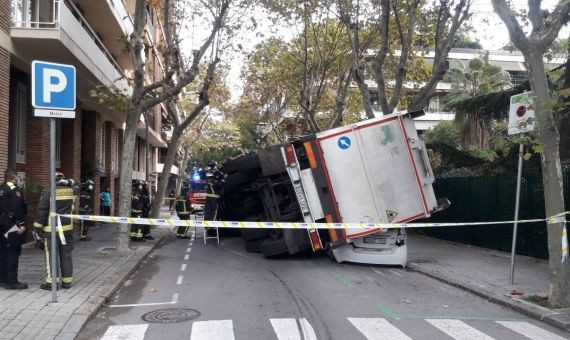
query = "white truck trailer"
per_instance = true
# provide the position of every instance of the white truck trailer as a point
(377, 170)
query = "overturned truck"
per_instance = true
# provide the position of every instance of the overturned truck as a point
(377, 170)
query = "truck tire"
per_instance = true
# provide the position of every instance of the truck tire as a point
(254, 234)
(273, 248)
(254, 246)
(238, 178)
(243, 163)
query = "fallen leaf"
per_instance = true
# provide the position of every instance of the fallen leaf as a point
(406, 301)
(152, 290)
(444, 306)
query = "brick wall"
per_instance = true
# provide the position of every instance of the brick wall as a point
(5, 16)
(38, 153)
(71, 147)
(90, 139)
(4, 107)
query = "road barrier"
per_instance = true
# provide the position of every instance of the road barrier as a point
(559, 218)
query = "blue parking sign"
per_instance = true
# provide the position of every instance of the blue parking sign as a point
(53, 86)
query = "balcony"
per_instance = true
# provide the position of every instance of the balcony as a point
(57, 31)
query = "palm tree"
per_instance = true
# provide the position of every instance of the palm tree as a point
(476, 78)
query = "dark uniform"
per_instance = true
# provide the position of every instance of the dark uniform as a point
(65, 194)
(85, 207)
(183, 211)
(146, 206)
(13, 210)
(137, 206)
(214, 186)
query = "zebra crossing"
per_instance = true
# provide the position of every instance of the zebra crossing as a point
(368, 328)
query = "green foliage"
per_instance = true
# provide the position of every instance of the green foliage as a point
(444, 132)
(111, 96)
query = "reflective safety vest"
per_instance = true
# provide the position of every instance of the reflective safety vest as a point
(64, 202)
(182, 206)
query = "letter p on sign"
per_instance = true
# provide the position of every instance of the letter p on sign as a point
(53, 86)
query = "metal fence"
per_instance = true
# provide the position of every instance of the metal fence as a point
(492, 198)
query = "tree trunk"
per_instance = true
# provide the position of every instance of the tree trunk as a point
(168, 162)
(364, 93)
(125, 181)
(559, 273)
(182, 171)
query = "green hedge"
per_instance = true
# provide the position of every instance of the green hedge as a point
(492, 198)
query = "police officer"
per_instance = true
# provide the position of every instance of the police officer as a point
(137, 206)
(183, 210)
(146, 206)
(13, 209)
(65, 196)
(85, 207)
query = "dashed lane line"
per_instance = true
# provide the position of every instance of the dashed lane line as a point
(179, 280)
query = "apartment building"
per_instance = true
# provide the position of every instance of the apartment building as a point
(91, 36)
(510, 61)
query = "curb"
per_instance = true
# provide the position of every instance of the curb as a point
(522, 306)
(92, 305)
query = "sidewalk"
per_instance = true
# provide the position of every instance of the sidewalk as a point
(485, 272)
(99, 269)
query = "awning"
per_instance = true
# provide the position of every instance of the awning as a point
(160, 167)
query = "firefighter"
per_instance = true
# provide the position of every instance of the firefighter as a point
(183, 210)
(146, 206)
(215, 180)
(85, 207)
(13, 210)
(65, 196)
(137, 206)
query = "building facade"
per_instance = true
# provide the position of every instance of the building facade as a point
(90, 35)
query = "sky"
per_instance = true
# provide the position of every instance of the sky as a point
(487, 28)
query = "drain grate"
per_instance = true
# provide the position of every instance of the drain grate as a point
(171, 315)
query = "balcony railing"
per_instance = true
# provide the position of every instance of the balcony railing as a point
(45, 14)
(35, 13)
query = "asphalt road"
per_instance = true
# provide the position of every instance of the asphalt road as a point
(232, 294)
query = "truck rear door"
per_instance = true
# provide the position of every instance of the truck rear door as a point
(376, 174)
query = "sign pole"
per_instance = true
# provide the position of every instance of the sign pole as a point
(52, 217)
(515, 226)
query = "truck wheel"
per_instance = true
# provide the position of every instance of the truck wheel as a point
(272, 248)
(254, 234)
(254, 246)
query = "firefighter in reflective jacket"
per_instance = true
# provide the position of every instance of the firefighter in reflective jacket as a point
(85, 207)
(215, 180)
(65, 194)
(137, 206)
(183, 210)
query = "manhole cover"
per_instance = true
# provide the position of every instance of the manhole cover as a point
(171, 315)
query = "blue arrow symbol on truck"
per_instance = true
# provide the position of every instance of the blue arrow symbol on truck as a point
(344, 142)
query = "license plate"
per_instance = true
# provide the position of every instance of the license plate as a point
(374, 240)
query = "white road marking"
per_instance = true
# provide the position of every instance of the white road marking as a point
(378, 329)
(212, 330)
(378, 272)
(141, 304)
(186, 257)
(458, 329)
(179, 280)
(396, 272)
(183, 267)
(238, 253)
(125, 332)
(308, 331)
(530, 331)
(288, 329)
(188, 250)
(174, 298)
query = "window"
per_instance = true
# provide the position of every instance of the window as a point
(433, 104)
(102, 148)
(21, 122)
